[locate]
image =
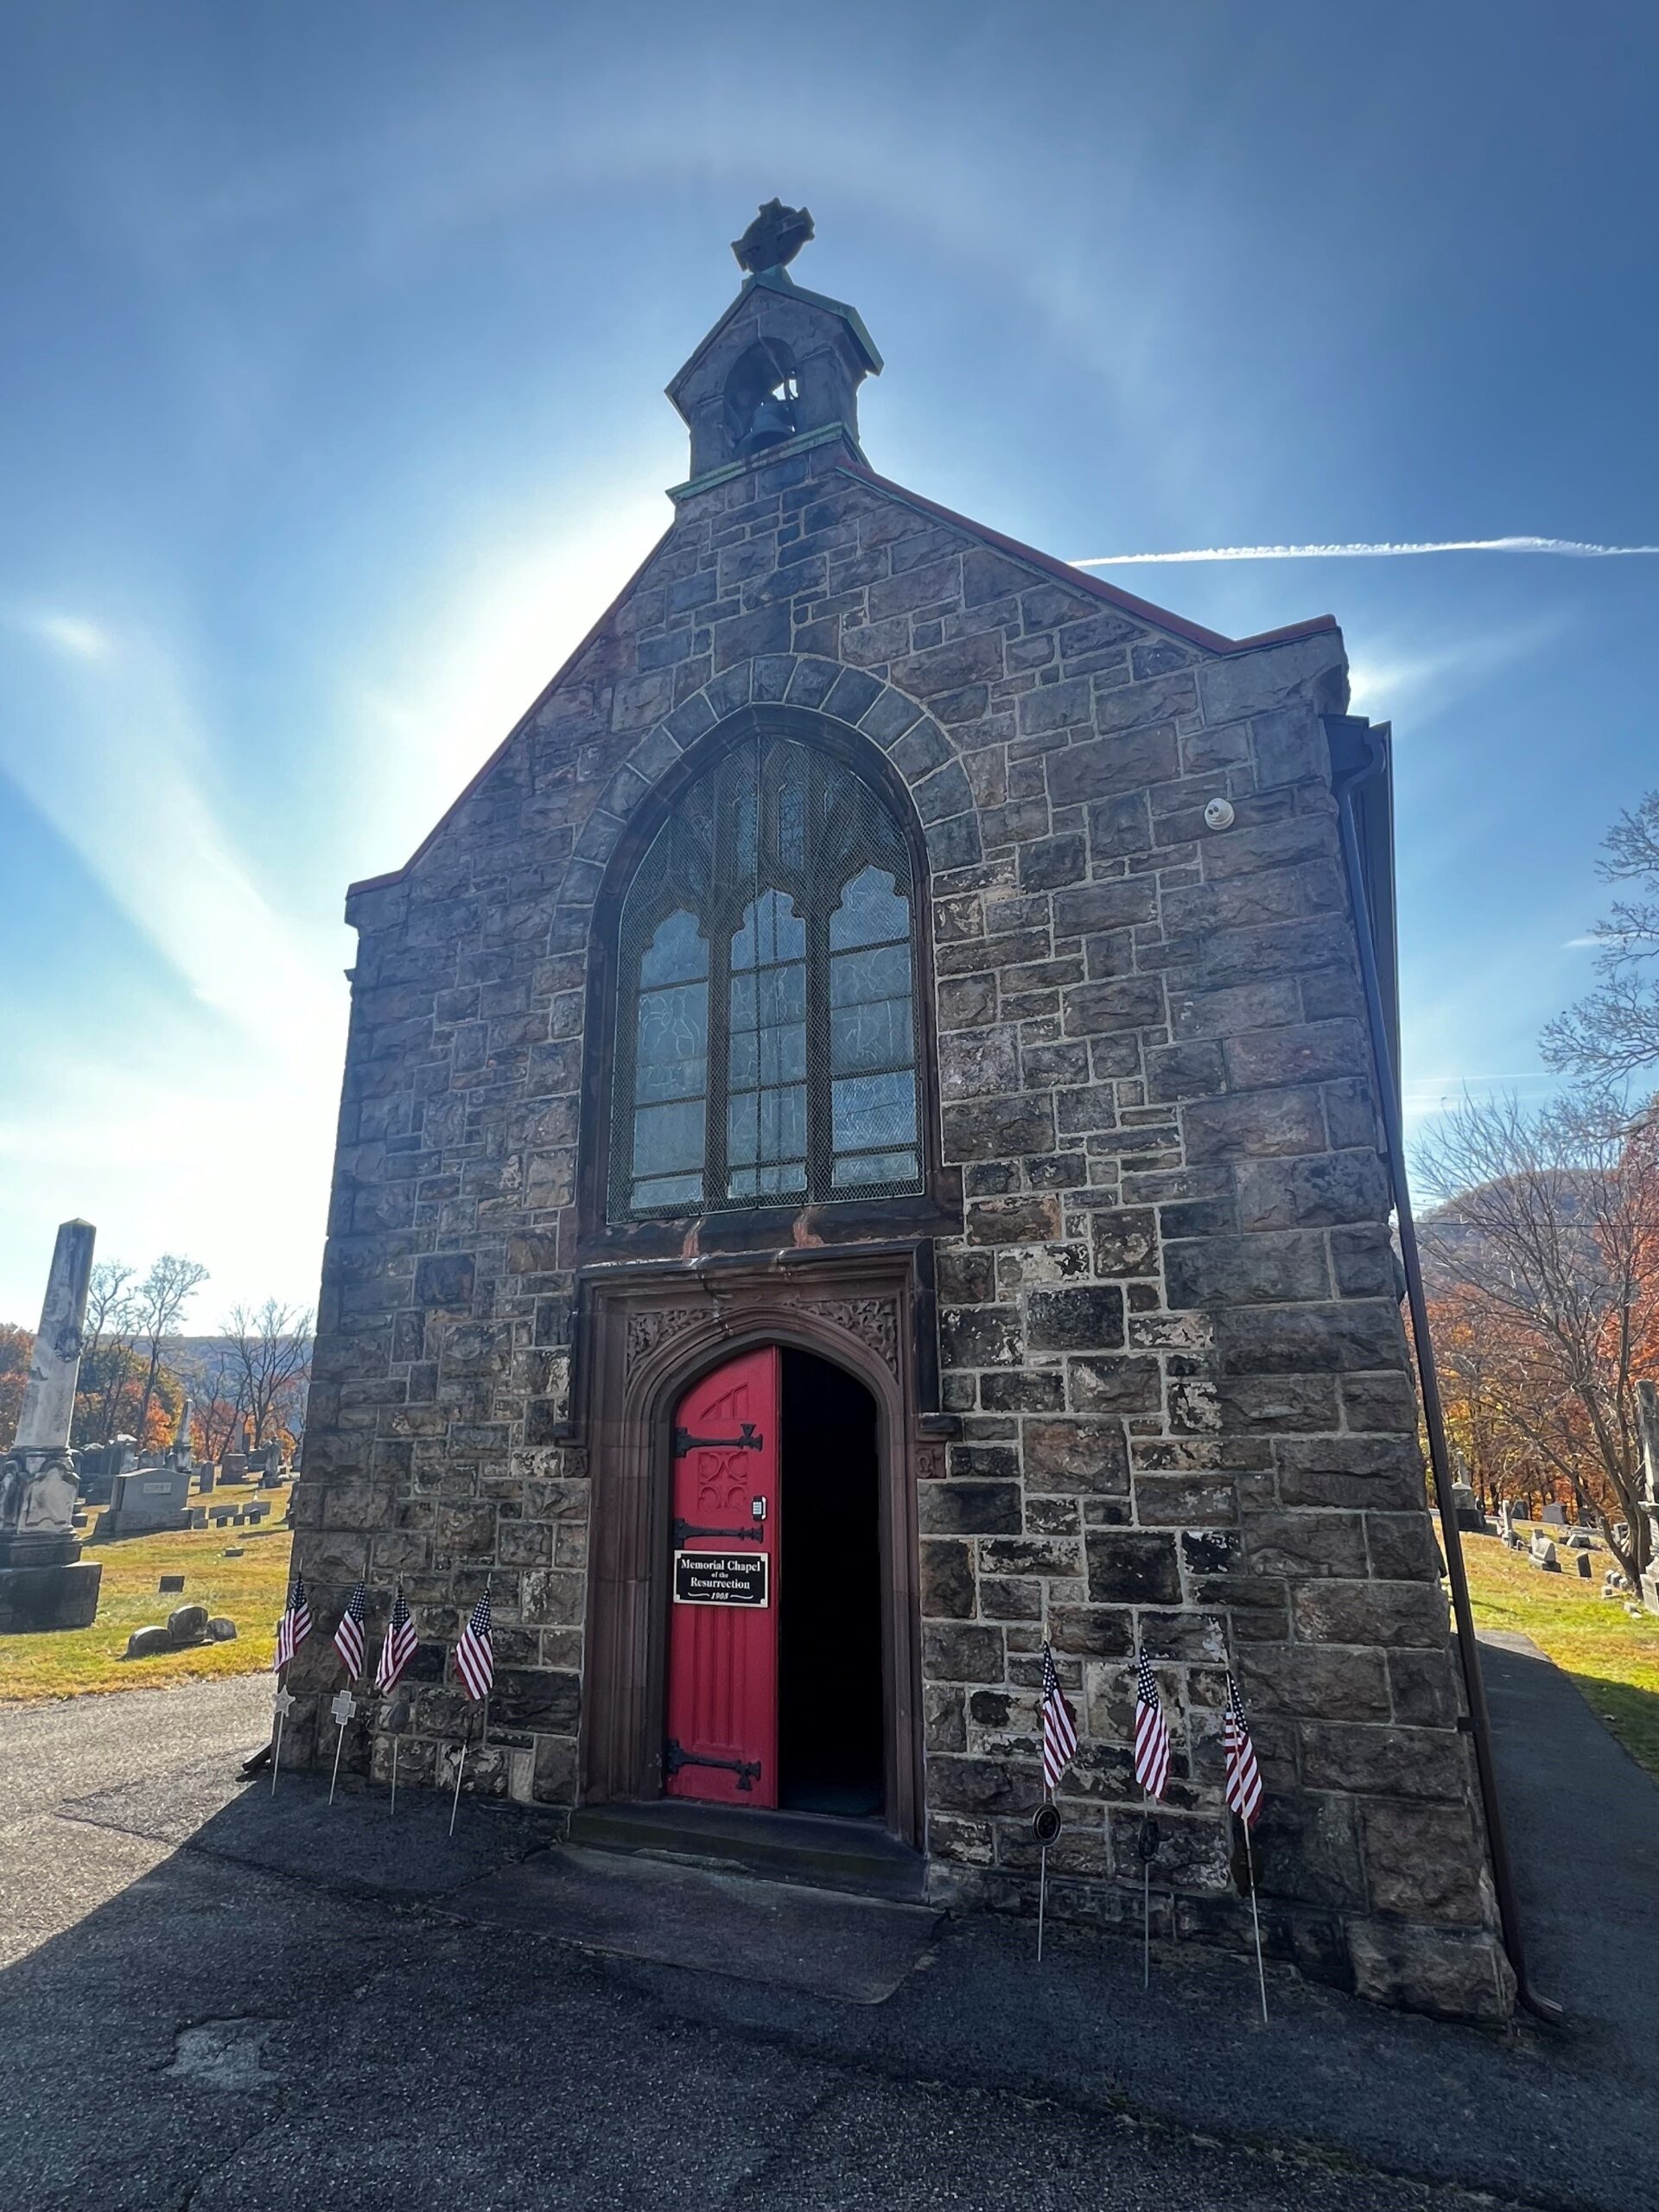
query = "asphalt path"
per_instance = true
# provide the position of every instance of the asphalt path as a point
(199, 2011)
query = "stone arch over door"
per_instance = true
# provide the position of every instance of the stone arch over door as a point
(650, 1342)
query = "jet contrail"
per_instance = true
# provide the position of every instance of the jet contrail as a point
(1573, 548)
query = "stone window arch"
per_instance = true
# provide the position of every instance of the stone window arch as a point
(766, 1039)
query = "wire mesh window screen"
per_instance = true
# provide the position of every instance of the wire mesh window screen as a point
(765, 1031)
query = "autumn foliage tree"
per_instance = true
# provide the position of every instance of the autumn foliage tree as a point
(1542, 1262)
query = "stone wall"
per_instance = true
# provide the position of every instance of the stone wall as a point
(1168, 1323)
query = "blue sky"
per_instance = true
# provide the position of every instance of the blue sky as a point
(332, 417)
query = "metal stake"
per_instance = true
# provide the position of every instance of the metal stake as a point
(281, 1701)
(334, 1779)
(1042, 1900)
(1255, 1917)
(460, 1769)
(395, 1741)
(1148, 1845)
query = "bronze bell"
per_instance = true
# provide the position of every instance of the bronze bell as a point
(774, 421)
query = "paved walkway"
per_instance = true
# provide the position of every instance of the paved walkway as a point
(293, 2010)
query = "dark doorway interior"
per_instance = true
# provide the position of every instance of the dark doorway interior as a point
(829, 1687)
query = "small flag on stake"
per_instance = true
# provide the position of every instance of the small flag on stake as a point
(348, 1636)
(396, 1652)
(1059, 1736)
(474, 1654)
(294, 1625)
(1151, 1731)
(398, 1648)
(1244, 1776)
(1244, 1797)
(476, 1664)
(1152, 1772)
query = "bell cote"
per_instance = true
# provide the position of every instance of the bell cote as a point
(782, 365)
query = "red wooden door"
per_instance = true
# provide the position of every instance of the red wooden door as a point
(723, 1639)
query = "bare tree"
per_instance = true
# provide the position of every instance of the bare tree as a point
(107, 1347)
(1613, 1033)
(159, 1304)
(218, 1409)
(1550, 1229)
(272, 1345)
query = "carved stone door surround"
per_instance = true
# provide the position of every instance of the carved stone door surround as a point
(652, 1331)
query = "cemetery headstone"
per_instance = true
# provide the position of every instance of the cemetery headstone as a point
(44, 1582)
(1543, 1556)
(1554, 1514)
(149, 1500)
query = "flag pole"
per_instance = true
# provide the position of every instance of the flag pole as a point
(276, 1751)
(1042, 1900)
(1255, 1918)
(460, 1769)
(339, 1745)
(1148, 1845)
(395, 1742)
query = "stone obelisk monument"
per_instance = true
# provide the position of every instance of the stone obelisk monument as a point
(44, 1583)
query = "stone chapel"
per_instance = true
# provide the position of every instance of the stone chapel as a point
(860, 1152)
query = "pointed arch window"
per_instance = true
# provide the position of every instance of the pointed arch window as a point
(766, 1023)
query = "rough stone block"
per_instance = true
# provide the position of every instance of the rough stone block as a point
(1130, 1566)
(954, 1652)
(1087, 1318)
(1246, 1270)
(1086, 1456)
(963, 1507)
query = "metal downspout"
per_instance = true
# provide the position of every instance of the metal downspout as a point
(1346, 785)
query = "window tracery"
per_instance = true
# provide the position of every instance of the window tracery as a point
(766, 1037)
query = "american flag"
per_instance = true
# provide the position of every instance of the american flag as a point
(294, 1625)
(348, 1636)
(1151, 1731)
(474, 1654)
(1059, 1736)
(1244, 1776)
(399, 1647)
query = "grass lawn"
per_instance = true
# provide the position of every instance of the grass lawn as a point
(1613, 1660)
(250, 1590)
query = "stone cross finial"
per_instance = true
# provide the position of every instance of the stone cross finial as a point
(776, 236)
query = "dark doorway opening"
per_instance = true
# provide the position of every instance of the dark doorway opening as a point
(830, 1697)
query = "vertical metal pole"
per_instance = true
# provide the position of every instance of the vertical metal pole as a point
(339, 1745)
(1146, 1924)
(277, 1753)
(1433, 1413)
(1042, 1900)
(1255, 1917)
(394, 1743)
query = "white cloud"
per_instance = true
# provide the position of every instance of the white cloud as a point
(1572, 548)
(71, 635)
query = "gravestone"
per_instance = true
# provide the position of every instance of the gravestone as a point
(44, 1583)
(1647, 1414)
(149, 1501)
(1465, 1510)
(1543, 1556)
(1582, 1561)
(1553, 1516)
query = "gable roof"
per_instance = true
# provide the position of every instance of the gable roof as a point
(1063, 572)
(1060, 571)
(780, 280)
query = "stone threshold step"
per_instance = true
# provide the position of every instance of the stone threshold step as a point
(814, 1848)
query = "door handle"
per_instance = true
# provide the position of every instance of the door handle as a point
(749, 1536)
(750, 1440)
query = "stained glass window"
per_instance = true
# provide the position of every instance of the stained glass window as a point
(765, 1033)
